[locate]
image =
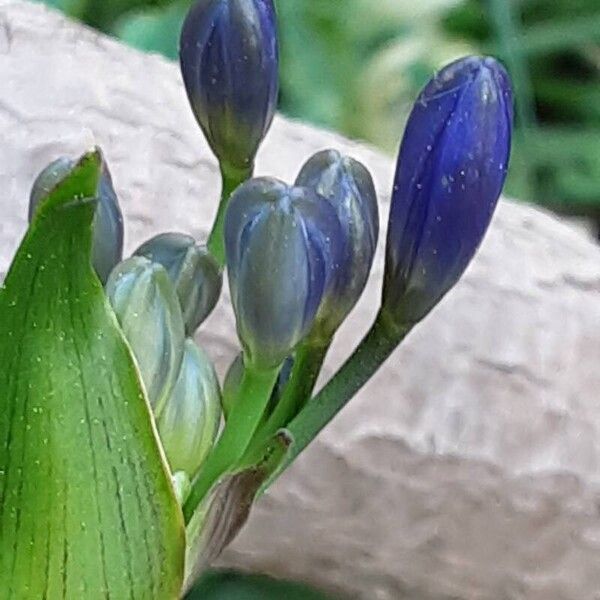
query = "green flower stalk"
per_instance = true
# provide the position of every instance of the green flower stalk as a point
(233, 380)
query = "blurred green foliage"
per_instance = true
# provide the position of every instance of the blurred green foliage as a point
(552, 49)
(357, 65)
(228, 585)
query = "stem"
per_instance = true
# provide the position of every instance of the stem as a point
(231, 178)
(305, 372)
(372, 352)
(246, 414)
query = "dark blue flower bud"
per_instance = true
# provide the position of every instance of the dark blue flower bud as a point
(229, 62)
(348, 185)
(283, 245)
(107, 248)
(193, 271)
(451, 169)
(147, 308)
(189, 422)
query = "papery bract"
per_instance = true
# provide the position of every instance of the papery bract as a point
(107, 245)
(189, 422)
(193, 271)
(147, 307)
(349, 187)
(229, 61)
(452, 166)
(284, 245)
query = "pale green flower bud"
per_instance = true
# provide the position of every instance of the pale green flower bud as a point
(148, 311)
(189, 423)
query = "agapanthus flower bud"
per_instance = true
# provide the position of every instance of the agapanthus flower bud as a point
(451, 169)
(193, 271)
(348, 185)
(283, 245)
(107, 245)
(147, 308)
(189, 422)
(229, 62)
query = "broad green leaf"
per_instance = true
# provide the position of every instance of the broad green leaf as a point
(87, 510)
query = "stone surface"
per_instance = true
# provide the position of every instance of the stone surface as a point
(468, 469)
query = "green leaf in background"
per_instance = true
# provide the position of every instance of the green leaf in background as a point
(74, 8)
(228, 585)
(366, 61)
(552, 52)
(154, 30)
(86, 505)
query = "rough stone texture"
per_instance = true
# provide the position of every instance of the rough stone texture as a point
(468, 469)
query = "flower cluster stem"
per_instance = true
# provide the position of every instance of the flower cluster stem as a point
(305, 372)
(231, 179)
(372, 352)
(246, 414)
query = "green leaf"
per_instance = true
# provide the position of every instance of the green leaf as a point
(154, 30)
(227, 585)
(70, 7)
(555, 35)
(87, 509)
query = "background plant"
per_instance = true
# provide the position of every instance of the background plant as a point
(228, 585)
(367, 60)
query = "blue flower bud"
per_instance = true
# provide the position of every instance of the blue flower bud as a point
(283, 245)
(189, 422)
(451, 169)
(229, 61)
(348, 185)
(107, 245)
(193, 271)
(148, 311)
